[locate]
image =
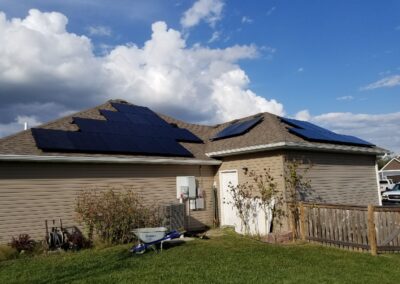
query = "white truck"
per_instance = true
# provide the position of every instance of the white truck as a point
(385, 184)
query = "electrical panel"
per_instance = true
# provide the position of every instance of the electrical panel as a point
(186, 187)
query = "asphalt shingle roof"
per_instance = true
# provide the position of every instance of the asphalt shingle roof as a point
(270, 130)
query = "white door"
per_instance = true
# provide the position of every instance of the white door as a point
(228, 212)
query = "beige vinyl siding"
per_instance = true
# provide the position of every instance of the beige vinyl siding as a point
(33, 192)
(255, 162)
(340, 178)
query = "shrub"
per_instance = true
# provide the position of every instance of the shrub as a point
(114, 214)
(7, 252)
(23, 243)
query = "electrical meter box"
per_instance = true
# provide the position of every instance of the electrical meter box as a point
(186, 187)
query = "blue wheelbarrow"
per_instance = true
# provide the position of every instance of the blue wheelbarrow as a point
(149, 238)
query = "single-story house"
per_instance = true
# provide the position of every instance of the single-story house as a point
(42, 169)
(391, 170)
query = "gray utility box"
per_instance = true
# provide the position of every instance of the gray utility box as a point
(186, 185)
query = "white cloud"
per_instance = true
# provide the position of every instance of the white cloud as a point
(301, 69)
(303, 115)
(270, 11)
(247, 20)
(214, 37)
(195, 83)
(380, 129)
(99, 31)
(203, 10)
(388, 82)
(345, 98)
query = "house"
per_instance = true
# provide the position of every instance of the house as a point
(391, 170)
(120, 144)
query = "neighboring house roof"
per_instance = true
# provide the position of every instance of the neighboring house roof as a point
(393, 164)
(270, 134)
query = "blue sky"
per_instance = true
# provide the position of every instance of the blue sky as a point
(336, 61)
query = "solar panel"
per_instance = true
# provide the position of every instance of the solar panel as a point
(52, 139)
(184, 135)
(114, 116)
(313, 132)
(126, 108)
(237, 128)
(131, 129)
(102, 126)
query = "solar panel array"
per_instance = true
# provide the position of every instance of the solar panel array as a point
(131, 130)
(313, 132)
(237, 128)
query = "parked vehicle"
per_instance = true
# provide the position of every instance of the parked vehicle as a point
(392, 196)
(385, 184)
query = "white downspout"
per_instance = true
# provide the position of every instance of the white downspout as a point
(377, 183)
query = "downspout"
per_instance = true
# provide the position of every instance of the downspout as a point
(377, 182)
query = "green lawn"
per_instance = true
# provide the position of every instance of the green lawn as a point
(229, 258)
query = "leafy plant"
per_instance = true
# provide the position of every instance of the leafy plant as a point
(262, 192)
(270, 198)
(113, 214)
(298, 188)
(23, 243)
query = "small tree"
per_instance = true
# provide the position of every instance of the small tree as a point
(262, 193)
(298, 188)
(242, 200)
(270, 198)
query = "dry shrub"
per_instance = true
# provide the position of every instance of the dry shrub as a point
(113, 214)
(23, 243)
(7, 252)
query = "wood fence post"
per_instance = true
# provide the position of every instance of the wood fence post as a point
(302, 222)
(371, 230)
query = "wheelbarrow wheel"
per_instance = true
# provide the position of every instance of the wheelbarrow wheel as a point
(138, 249)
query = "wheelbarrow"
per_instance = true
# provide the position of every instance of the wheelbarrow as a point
(149, 238)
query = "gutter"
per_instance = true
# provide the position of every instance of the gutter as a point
(106, 160)
(295, 146)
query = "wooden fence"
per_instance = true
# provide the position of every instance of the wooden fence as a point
(372, 228)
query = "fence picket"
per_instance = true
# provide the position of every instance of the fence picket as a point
(351, 227)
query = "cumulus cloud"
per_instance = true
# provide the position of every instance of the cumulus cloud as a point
(374, 128)
(303, 115)
(203, 10)
(387, 82)
(99, 31)
(47, 71)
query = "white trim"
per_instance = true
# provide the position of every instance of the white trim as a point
(102, 160)
(220, 191)
(296, 146)
(378, 184)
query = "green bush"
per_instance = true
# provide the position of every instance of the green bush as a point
(112, 214)
(7, 252)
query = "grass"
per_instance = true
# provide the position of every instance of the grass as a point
(228, 258)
